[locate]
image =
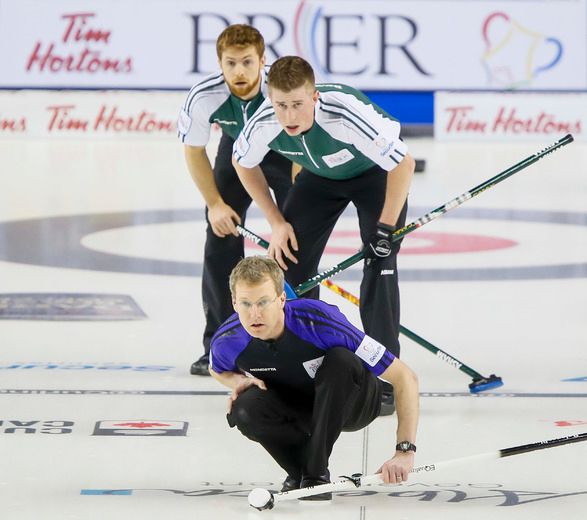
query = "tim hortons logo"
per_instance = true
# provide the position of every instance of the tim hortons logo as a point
(11, 125)
(107, 119)
(507, 120)
(78, 50)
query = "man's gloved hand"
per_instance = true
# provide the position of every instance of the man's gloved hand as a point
(379, 245)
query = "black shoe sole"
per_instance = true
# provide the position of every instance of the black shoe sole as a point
(199, 370)
(317, 498)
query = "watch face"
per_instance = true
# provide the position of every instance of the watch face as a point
(406, 446)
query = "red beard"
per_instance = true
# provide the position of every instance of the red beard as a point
(243, 90)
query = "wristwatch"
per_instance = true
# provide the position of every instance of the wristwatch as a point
(405, 446)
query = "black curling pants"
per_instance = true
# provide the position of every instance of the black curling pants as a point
(299, 431)
(313, 207)
(222, 254)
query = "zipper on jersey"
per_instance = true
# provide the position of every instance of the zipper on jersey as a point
(308, 152)
(244, 109)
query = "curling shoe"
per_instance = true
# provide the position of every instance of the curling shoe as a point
(200, 367)
(308, 481)
(290, 483)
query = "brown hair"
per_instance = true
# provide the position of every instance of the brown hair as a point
(254, 270)
(289, 73)
(240, 35)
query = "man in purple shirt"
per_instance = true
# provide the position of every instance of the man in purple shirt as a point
(301, 373)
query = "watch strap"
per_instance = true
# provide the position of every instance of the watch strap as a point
(405, 446)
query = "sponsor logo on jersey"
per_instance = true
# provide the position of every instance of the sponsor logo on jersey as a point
(387, 271)
(287, 152)
(337, 158)
(370, 351)
(225, 122)
(381, 142)
(263, 369)
(386, 150)
(312, 366)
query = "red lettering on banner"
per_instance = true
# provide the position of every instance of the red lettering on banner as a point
(76, 22)
(459, 121)
(509, 122)
(109, 120)
(13, 125)
(52, 58)
(61, 120)
(84, 61)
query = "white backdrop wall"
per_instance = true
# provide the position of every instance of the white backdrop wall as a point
(371, 44)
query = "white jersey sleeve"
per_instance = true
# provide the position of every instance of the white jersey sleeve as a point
(252, 144)
(351, 120)
(204, 98)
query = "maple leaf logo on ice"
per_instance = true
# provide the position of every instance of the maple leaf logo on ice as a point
(142, 424)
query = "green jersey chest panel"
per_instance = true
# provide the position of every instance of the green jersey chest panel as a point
(349, 135)
(233, 114)
(322, 154)
(211, 101)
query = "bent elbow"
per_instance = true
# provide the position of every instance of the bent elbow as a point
(410, 163)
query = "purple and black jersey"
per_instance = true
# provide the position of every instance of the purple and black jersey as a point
(312, 327)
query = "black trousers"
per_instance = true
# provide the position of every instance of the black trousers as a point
(299, 432)
(313, 207)
(222, 254)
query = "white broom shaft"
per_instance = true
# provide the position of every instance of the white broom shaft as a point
(374, 479)
(344, 485)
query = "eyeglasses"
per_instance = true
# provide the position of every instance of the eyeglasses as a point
(262, 304)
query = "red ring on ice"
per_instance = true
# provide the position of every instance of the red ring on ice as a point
(422, 243)
(430, 243)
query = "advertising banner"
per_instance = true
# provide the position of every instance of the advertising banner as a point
(372, 44)
(458, 116)
(491, 116)
(98, 115)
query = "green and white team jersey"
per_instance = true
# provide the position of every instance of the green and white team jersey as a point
(210, 101)
(350, 134)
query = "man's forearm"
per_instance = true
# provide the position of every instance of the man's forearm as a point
(398, 186)
(407, 409)
(254, 182)
(229, 379)
(406, 392)
(201, 172)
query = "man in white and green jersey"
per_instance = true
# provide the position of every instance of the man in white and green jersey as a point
(227, 98)
(350, 151)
